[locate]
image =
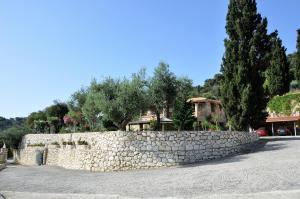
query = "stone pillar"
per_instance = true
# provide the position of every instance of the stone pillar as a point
(45, 154)
(3, 155)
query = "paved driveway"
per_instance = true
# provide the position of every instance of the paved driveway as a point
(271, 171)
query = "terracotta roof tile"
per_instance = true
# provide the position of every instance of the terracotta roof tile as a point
(283, 119)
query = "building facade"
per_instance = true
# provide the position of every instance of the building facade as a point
(205, 109)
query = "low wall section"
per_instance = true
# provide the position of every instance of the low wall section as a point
(111, 151)
(3, 158)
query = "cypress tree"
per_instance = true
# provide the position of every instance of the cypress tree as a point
(244, 63)
(298, 57)
(277, 74)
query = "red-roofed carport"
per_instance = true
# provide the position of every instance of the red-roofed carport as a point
(285, 120)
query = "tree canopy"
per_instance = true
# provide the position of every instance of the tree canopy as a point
(243, 65)
(183, 112)
(162, 91)
(278, 72)
(298, 57)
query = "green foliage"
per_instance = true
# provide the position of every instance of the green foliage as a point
(292, 59)
(152, 124)
(78, 100)
(35, 116)
(55, 114)
(115, 100)
(211, 88)
(92, 110)
(285, 104)
(58, 109)
(183, 118)
(297, 71)
(216, 124)
(205, 124)
(244, 63)
(12, 136)
(50, 120)
(277, 74)
(41, 126)
(162, 91)
(54, 124)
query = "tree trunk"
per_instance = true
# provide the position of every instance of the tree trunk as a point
(157, 127)
(167, 111)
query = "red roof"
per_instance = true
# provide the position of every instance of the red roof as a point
(283, 119)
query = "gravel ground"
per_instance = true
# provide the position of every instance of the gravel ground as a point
(271, 170)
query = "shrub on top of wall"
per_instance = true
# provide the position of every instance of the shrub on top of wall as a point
(68, 143)
(82, 142)
(36, 145)
(55, 143)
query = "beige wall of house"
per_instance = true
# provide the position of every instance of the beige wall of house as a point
(205, 108)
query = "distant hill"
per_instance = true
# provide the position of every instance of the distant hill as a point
(11, 122)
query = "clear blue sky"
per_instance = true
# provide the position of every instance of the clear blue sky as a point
(49, 49)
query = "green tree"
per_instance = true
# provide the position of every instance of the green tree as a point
(35, 116)
(298, 56)
(183, 111)
(54, 124)
(41, 126)
(162, 91)
(210, 89)
(12, 136)
(77, 100)
(91, 109)
(244, 62)
(55, 114)
(292, 59)
(119, 100)
(277, 74)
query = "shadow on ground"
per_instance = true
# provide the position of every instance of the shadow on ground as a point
(262, 145)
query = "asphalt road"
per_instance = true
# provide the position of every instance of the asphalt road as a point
(272, 170)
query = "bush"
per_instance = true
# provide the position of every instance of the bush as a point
(285, 104)
(13, 136)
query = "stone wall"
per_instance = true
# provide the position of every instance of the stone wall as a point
(111, 151)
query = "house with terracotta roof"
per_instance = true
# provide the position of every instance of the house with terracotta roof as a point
(205, 109)
(288, 116)
(208, 109)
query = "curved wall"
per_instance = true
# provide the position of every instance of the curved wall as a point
(112, 151)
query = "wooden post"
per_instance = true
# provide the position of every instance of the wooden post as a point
(295, 130)
(141, 127)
